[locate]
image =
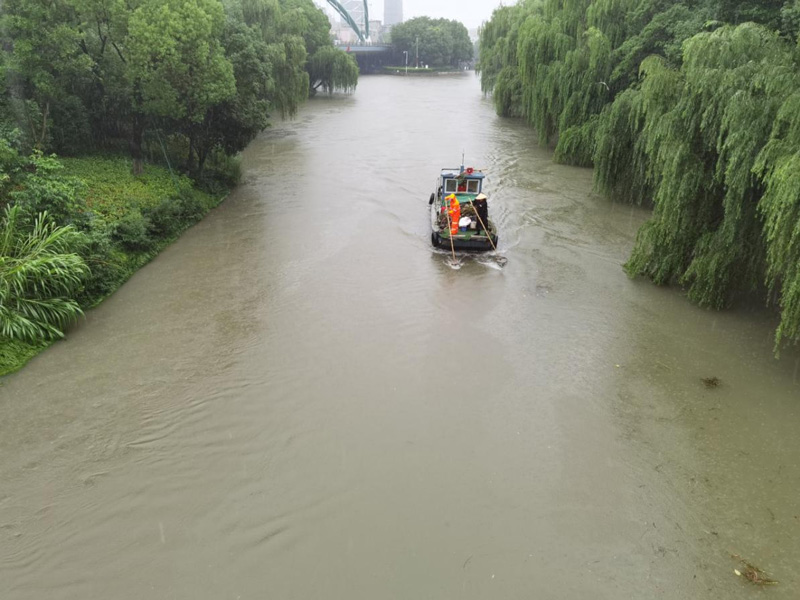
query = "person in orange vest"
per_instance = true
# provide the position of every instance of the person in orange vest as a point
(454, 212)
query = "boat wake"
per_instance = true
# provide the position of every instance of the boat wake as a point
(454, 262)
(491, 260)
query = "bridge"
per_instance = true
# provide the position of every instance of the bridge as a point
(370, 57)
(363, 48)
(356, 14)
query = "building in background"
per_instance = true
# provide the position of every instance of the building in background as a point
(376, 31)
(392, 12)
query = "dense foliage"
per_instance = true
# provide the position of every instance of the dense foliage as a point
(184, 83)
(40, 274)
(438, 42)
(72, 231)
(83, 75)
(692, 106)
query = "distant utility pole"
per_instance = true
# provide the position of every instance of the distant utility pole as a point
(417, 52)
(406, 53)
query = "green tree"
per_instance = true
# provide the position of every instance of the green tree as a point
(332, 69)
(498, 64)
(304, 19)
(177, 66)
(765, 12)
(439, 42)
(676, 108)
(328, 67)
(232, 124)
(43, 67)
(93, 74)
(790, 19)
(285, 52)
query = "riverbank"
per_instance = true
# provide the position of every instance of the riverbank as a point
(126, 220)
(421, 72)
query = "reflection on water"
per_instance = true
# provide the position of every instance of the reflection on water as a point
(302, 399)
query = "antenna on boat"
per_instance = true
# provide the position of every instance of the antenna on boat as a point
(462, 161)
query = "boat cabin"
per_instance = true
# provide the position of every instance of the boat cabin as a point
(461, 181)
(460, 212)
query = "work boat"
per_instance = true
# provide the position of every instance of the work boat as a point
(460, 212)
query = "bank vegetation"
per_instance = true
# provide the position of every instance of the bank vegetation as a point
(120, 122)
(691, 106)
(437, 43)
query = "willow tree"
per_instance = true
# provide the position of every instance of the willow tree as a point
(627, 140)
(286, 54)
(559, 63)
(565, 60)
(332, 69)
(497, 62)
(778, 168)
(586, 92)
(328, 67)
(542, 49)
(706, 152)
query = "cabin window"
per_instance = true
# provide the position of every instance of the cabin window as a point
(473, 186)
(450, 186)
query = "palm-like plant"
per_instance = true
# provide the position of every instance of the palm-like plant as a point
(39, 275)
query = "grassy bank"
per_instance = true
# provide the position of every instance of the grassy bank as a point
(125, 221)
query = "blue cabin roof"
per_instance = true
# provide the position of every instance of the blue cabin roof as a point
(455, 173)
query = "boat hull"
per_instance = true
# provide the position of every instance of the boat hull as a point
(473, 243)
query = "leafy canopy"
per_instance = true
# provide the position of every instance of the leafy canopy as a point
(691, 106)
(439, 42)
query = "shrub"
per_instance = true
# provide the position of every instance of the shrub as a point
(112, 189)
(221, 173)
(164, 218)
(132, 232)
(40, 274)
(15, 353)
(103, 260)
(192, 207)
(44, 187)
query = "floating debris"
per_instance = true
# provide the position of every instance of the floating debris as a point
(710, 382)
(752, 573)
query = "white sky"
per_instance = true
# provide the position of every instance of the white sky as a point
(470, 12)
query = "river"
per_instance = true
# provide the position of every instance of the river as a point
(302, 399)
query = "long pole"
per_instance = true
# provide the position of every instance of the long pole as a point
(406, 53)
(418, 52)
(450, 235)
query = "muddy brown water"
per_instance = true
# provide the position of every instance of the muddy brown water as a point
(301, 399)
